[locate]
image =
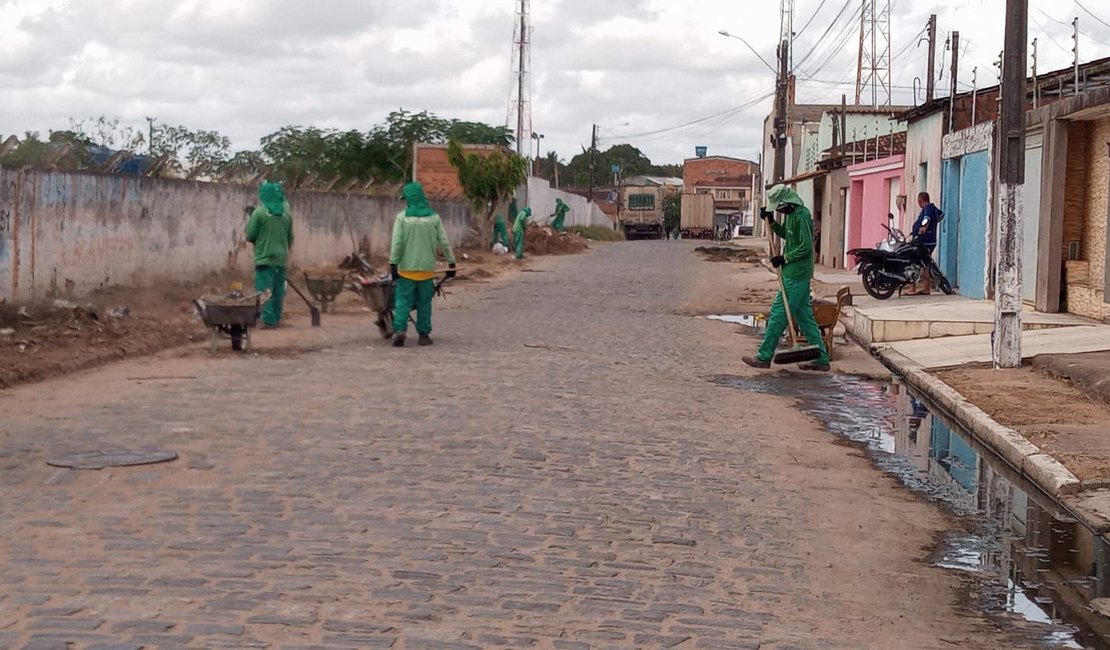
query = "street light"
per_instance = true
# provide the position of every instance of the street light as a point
(536, 164)
(769, 66)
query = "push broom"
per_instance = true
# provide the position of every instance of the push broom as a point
(796, 353)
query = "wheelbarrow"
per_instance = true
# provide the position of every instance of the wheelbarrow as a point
(325, 289)
(231, 316)
(378, 291)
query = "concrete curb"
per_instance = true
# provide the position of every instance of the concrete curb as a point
(1041, 469)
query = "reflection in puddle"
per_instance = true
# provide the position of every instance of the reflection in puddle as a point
(1034, 565)
(749, 323)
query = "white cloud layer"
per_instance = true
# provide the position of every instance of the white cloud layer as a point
(248, 67)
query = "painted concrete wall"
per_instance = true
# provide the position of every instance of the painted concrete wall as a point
(541, 197)
(70, 233)
(875, 187)
(833, 240)
(923, 146)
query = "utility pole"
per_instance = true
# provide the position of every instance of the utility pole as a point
(930, 85)
(593, 158)
(955, 77)
(780, 114)
(1007, 303)
(1075, 53)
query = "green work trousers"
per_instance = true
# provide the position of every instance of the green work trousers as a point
(797, 292)
(518, 243)
(407, 294)
(557, 225)
(271, 278)
(500, 234)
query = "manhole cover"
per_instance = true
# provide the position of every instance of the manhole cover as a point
(112, 458)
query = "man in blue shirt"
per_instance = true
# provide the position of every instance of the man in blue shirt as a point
(925, 230)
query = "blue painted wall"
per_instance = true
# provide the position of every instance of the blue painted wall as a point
(948, 245)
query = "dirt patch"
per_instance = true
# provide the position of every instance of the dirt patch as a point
(730, 254)
(545, 241)
(1050, 413)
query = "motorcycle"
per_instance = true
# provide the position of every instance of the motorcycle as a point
(895, 263)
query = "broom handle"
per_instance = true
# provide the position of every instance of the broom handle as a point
(772, 240)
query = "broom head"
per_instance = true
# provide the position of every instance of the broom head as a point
(797, 354)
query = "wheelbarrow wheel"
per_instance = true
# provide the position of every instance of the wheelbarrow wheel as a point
(237, 338)
(385, 323)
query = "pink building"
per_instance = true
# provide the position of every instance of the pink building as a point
(875, 191)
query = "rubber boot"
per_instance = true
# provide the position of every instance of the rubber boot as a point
(399, 341)
(424, 340)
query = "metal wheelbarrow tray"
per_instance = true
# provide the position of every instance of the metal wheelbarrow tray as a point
(231, 317)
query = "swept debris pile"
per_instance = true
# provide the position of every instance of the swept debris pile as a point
(545, 241)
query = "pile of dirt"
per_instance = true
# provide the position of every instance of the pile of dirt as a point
(324, 272)
(545, 241)
(729, 254)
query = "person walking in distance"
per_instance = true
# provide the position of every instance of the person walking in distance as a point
(270, 230)
(418, 236)
(795, 263)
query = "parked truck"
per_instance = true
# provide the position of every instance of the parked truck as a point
(641, 215)
(697, 216)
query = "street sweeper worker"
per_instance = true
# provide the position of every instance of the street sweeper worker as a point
(418, 235)
(270, 230)
(518, 231)
(561, 210)
(500, 232)
(795, 263)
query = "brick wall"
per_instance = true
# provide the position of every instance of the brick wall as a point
(1087, 192)
(438, 176)
(717, 171)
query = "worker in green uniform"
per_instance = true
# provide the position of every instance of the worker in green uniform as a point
(518, 231)
(270, 229)
(500, 232)
(795, 263)
(418, 235)
(561, 210)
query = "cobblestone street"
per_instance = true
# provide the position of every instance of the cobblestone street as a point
(558, 471)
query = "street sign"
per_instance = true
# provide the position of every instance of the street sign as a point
(615, 168)
(700, 152)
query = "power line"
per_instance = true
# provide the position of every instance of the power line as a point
(724, 113)
(821, 39)
(1050, 36)
(1089, 13)
(810, 21)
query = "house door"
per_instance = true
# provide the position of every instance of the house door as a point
(1034, 150)
(948, 244)
(974, 207)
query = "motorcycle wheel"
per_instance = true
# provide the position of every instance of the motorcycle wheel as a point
(943, 285)
(876, 285)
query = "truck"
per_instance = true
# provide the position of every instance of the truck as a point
(698, 211)
(641, 214)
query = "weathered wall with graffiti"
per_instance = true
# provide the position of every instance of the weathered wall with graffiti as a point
(65, 233)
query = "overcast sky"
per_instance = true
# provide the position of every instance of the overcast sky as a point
(248, 67)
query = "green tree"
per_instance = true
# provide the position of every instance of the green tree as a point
(62, 150)
(190, 149)
(488, 180)
(672, 211)
(108, 133)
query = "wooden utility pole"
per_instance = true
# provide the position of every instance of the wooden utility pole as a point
(955, 79)
(930, 84)
(780, 112)
(593, 158)
(1011, 177)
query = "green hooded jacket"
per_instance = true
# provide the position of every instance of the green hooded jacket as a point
(270, 227)
(521, 221)
(796, 230)
(418, 234)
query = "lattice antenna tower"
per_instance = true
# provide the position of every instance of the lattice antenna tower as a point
(873, 69)
(520, 97)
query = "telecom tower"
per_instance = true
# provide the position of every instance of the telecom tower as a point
(520, 97)
(873, 68)
(786, 32)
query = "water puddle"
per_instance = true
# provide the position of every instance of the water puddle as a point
(1033, 566)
